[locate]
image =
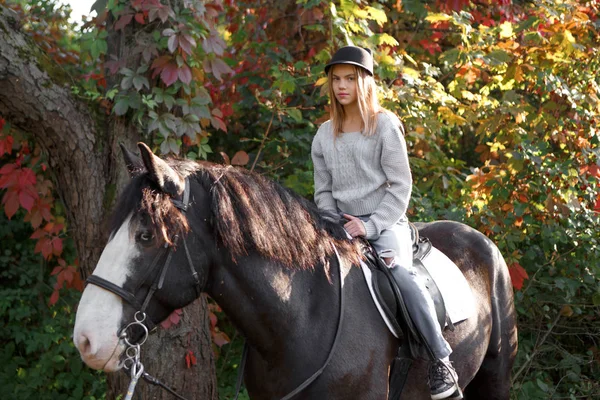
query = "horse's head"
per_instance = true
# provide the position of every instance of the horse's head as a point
(146, 269)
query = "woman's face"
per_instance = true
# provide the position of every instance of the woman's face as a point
(344, 84)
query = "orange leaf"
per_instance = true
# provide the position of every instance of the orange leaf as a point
(519, 222)
(220, 338)
(225, 158)
(240, 158)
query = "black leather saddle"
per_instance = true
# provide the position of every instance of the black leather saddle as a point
(390, 298)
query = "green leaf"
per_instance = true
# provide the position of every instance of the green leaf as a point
(121, 106)
(596, 299)
(416, 7)
(497, 57)
(295, 113)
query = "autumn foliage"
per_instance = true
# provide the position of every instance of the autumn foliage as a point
(501, 101)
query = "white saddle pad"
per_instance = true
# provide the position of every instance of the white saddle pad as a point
(456, 292)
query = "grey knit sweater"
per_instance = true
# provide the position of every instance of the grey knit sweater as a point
(364, 175)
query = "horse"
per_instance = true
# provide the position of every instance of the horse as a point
(289, 279)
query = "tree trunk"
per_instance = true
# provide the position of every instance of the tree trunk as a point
(84, 156)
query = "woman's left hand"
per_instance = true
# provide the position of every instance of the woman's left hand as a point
(354, 226)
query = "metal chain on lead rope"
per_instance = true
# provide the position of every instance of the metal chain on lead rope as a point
(132, 352)
(132, 359)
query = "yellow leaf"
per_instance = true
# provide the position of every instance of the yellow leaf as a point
(384, 38)
(413, 73)
(321, 81)
(438, 18)
(569, 36)
(377, 15)
(506, 30)
(412, 60)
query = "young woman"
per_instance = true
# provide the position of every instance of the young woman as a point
(361, 170)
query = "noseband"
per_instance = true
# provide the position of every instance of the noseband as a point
(133, 347)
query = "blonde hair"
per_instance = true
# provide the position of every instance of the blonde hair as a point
(366, 97)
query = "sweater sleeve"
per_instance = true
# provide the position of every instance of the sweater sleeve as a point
(394, 162)
(322, 176)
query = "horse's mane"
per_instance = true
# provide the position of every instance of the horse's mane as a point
(250, 213)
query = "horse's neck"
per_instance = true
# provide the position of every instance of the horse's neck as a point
(276, 307)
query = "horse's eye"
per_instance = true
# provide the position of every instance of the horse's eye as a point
(145, 237)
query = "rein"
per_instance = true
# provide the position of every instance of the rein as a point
(132, 360)
(317, 373)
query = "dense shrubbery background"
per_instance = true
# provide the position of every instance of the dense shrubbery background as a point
(501, 101)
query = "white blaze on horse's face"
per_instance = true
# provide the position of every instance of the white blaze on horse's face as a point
(100, 312)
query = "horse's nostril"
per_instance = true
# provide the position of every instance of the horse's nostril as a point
(84, 345)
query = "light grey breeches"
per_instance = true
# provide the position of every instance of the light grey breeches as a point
(396, 242)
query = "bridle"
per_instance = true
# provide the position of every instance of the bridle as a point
(132, 352)
(132, 360)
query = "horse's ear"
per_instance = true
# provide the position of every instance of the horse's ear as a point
(161, 173)
(134, 164)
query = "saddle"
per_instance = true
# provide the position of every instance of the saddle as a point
(392, 303)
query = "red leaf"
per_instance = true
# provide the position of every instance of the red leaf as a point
(57, 246)
(6, 145)
(26, 201)
(53, 298)
(172, 319)
(45, 247)
(54, 229)
(7, 169)
(517, 275)
(139, 17)
(68, 275)
(169, 74)
(11, 203)
(123, 21)
(38, 234)
(218, 123)
(213, 320)
(26, 178)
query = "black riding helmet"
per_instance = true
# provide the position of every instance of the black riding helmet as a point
(353, 55)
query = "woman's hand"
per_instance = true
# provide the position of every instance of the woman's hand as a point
(354, 226)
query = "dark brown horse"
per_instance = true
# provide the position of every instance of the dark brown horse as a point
(266, 256)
